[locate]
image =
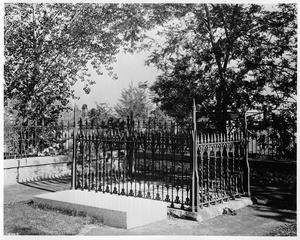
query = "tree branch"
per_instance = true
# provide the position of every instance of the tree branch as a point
(212, 40)
(230, 41)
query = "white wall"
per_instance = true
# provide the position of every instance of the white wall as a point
(36, 168)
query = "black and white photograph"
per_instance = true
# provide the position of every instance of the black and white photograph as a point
(149, 119)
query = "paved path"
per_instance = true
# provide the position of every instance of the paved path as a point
(256, 220)
(249, 221)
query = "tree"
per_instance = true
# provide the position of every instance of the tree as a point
(284, 124)
(227, 56)
(10, 132)
(135, 100)
(102, 112)
(49, 46)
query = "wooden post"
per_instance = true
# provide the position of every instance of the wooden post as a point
(195, 176)
(74, 152)
(246, 162)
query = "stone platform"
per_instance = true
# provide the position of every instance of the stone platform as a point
(212, 211)
(112, 210)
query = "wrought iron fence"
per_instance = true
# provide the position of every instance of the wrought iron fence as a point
(33, 140)
(154, 160)
(220, 166)
(269, 143)
(141, 159)
(147, 159)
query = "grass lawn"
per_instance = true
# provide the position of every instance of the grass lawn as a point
(23, 218)
(285, 230)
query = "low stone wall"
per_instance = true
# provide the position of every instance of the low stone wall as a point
(36, 168)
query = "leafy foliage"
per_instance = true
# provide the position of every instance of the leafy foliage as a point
(48, 48)
(276, 134)
(135, 100)
(102, 112)
(227, 57)
(284, 124)
(11, 134)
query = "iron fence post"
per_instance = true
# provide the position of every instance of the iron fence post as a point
(246, 162)
(73, 187)
(130, 126)
(195, 176)
(21, 140)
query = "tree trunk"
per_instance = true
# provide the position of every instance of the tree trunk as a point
(222, 106)
(221, 91)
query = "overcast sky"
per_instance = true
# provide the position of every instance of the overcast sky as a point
(129, 68)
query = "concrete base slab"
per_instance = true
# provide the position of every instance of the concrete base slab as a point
(112, 210)
(213, 210)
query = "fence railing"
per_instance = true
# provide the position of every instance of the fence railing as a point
(33, 140)
(269, 144)
(141, 159)
(221, 159)
(155, 161)
(147, 159)
(55, 139)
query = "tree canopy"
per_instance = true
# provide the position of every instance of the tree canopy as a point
(48, 48)
(227, 56)
(102, 112)
(134, 100)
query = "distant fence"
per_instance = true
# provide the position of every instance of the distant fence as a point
(267, 143)
(33, 140)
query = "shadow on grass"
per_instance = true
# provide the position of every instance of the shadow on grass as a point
(281, 215)
(275, 202)
(279, 197)
(51, 185)
(27, 231)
